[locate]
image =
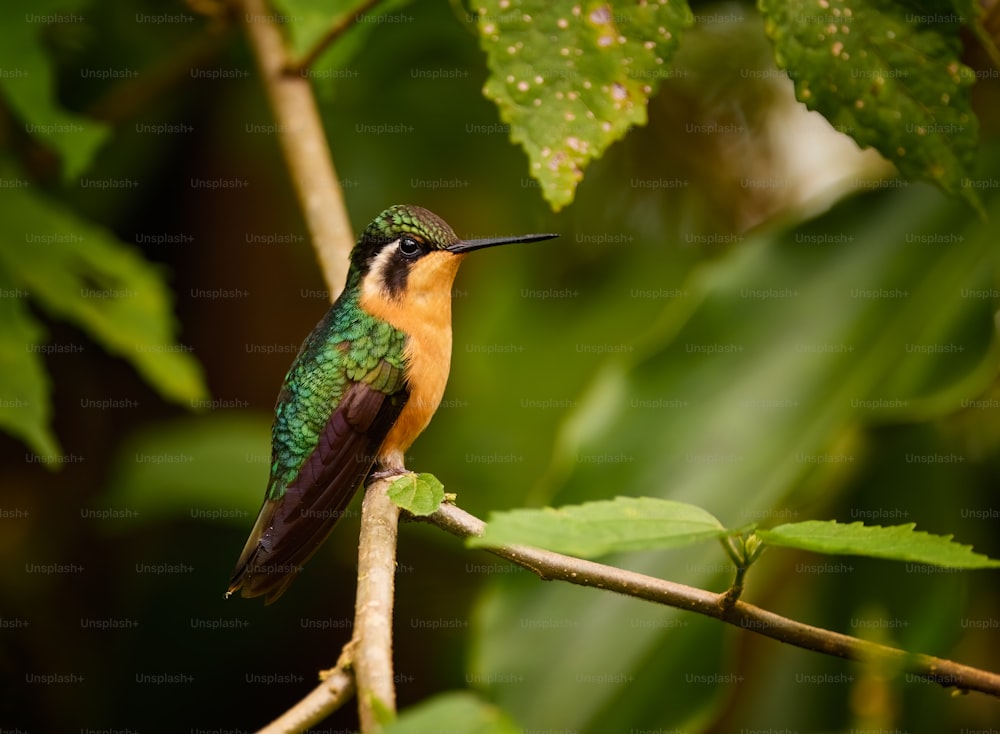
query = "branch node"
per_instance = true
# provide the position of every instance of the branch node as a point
(732, 595)
(299, 67)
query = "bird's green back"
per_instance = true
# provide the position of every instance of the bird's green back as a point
(348, 345)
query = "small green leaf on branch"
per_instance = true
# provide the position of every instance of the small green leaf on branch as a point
(896, 542)
(598, 528)
(418, 494)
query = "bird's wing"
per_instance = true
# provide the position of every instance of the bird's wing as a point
(291, 528)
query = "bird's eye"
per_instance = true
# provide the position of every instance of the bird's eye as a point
(409, 247)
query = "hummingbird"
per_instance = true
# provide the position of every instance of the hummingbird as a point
(364, 385)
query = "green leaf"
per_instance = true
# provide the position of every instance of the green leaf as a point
(896, 542)
(571, 78)
(453, 712)
(418, 494)
(25, 404)
(79, 272)
(29, 84)
(598, 528)
(887, 75)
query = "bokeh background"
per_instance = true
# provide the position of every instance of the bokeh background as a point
(744, 311)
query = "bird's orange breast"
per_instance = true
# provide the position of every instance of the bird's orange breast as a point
(423, 313)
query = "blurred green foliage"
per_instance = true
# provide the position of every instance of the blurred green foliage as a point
(835, 362)
(455, 712)
(79, 272)
(30, 84)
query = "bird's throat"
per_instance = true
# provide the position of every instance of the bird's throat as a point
(422, 312)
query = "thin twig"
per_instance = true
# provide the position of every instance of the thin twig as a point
(335, 690)
(303, 143)
(371, 647)
(555, 566)
(335, 31)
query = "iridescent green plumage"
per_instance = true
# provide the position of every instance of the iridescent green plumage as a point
(401, 219)
(347, 346)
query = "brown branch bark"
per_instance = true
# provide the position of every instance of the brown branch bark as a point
(335, 690)
(371, 647)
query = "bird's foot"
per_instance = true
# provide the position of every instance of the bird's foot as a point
(387, 473)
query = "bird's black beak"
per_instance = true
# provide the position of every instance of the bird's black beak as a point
(470, 245)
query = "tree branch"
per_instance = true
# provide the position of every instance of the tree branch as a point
(371, 647)
(555, 566)
(304, 146)
(303, 143)
(335, 690)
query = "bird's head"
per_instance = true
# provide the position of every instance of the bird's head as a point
(408, 250)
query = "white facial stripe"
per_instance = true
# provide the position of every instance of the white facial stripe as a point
(372, 286)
